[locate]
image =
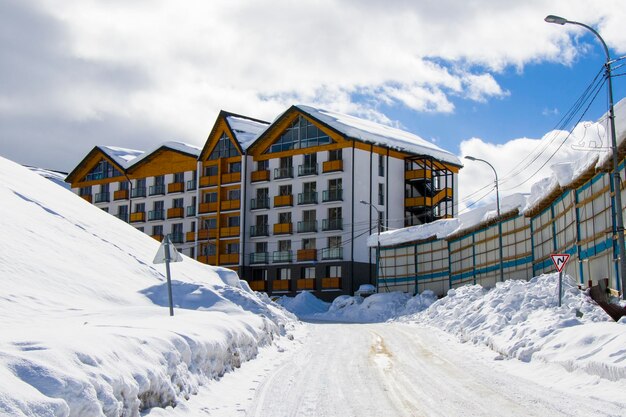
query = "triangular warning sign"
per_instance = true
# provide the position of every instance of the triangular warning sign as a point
(560, 260)
(161, 255)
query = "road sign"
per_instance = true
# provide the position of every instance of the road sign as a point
(162, 254)
(560, 260)
(167, 253)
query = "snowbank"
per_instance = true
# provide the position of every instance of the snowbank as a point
(84, 324)
(520, 319)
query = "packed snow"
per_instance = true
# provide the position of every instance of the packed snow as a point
(516, 319)
(122, 156)
(173, 145)
(246, 130)
(84, 324)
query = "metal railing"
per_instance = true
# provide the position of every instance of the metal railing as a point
(260, 230)
(259, 258)
(259, 203)
(332, 224)
(307, 226)
(307, 170)
(138, 192)
(157, 189)
(286, 172)
(307, 198)
(102, 197)
(156, 215)
(282, 256)
(332, 195)
(332, 253)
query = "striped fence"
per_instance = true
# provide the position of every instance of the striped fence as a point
(577, 220)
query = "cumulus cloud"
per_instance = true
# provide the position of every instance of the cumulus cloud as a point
(522, 162)
(164, 69)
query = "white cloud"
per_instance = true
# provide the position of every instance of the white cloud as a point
(181, 63)
(522, 162)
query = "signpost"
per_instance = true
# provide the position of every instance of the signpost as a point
(167, 253)
(559, 262)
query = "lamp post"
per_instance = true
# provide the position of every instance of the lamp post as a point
(377, 239)
(471, 158)
(617, 200)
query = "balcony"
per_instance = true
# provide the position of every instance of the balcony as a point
(332, 224)
(207, 259)
(176, 187)
(102, 197)
(307, 170)
(207, 207)
(305, 284)
(86, 197)
(283, 200)
(230, 204)
(307, 198)
(191, 211)
(306, 255)
(156, 215)
(229, 258)
(177, 237)
(307, 227)
(138, 192)
(157, 237)
(332, 253)
(191, 185)
(332, 166)
(230, 231)
(208, 181)
(259, 258)
(157, 189)
(139, 216)
(259, 203)
(257, 176)
(175, 212)
(417, 174)
(190, 236)
(259, 230)
(283, 228)
(332, 195)
(280, 173)
(282, 256)
(280, 285)
(204, 234)
(331, 283)
(231, 177)
(258, 285)
(120, 195)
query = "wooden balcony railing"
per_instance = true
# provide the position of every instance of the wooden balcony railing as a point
(208, 181)
(190, 236)
(305, 284)
(283, 200)
(176, 187)
(328, 283)
(258, 285)
(307, 255)
(231, 177)
(120, 195)
(229, 231)
(175, 212)
(283, 228)
(280, 285)
(139, 216)
(330, 166)
(257, 176)
(207, 207)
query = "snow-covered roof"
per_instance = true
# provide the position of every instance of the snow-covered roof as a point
(246, 130)
(387, 136)
(121, 156)
(444, 228)
(176, 146)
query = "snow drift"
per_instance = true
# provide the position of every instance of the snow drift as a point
(84, 325)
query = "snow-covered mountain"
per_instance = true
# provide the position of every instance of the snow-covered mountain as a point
(84, 324)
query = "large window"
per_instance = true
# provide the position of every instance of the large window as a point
(300, 134)
(224, 148)
(103, 170)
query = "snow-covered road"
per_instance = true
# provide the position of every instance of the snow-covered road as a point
(394, 369)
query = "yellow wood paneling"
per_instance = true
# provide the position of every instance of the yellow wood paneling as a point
(163, 162)
(331, 166)
(331, 282)
(307, 255)
(260, 176)
(305, 284)
(283, 228)
(283, 200)
(280, 285)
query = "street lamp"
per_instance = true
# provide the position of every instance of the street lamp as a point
(377, 239)
(617, 200)
(471, 158)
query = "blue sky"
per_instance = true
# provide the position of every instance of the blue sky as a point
(474, 77)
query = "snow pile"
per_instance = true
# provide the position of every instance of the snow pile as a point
(303, 304)
(520, 319)
(246, 130)
(373, 309)
(84, 324)
(444, 228)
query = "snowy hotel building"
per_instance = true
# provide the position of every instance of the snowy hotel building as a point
(279, 202)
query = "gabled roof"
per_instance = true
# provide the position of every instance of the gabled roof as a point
(245, 130)
(179, 147)
(120, 157)
(367, 131)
